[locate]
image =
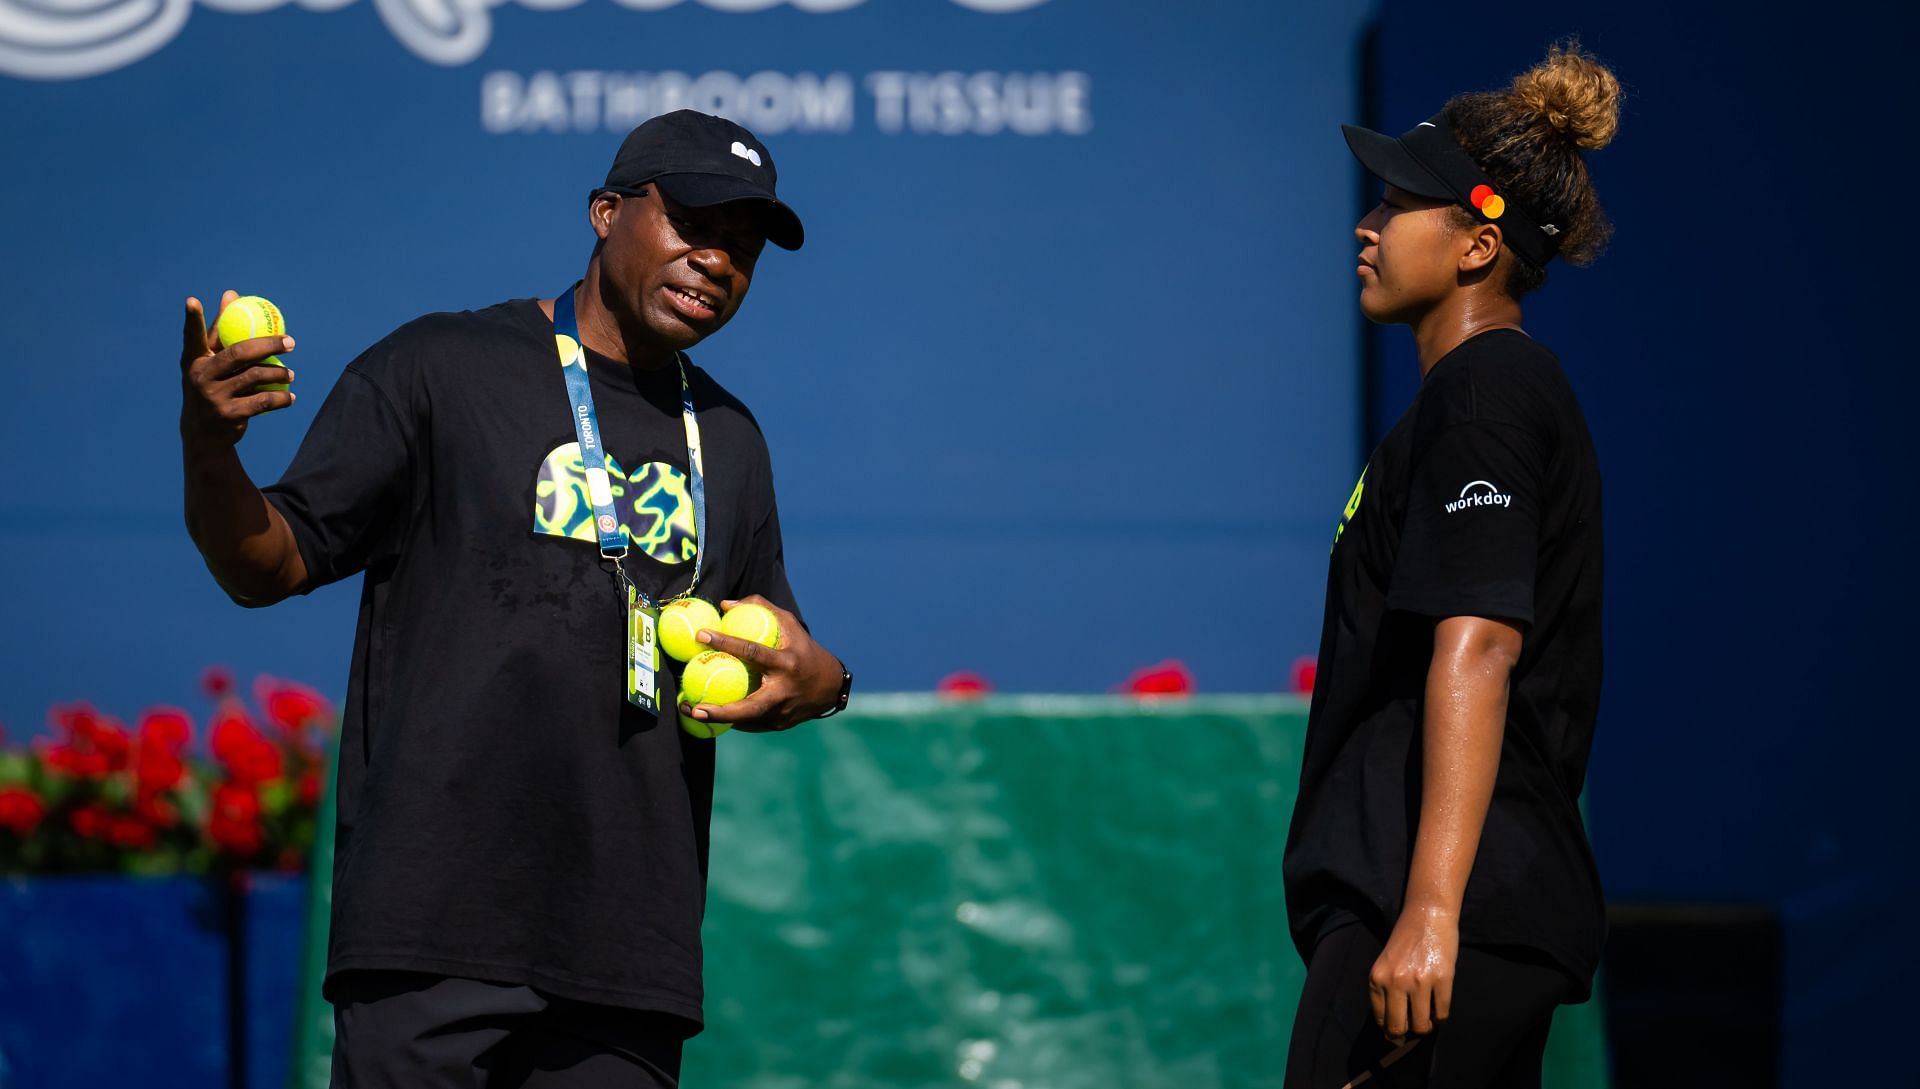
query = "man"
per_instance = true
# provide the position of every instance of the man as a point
(520, 867)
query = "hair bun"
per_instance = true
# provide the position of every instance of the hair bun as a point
(1575, 93)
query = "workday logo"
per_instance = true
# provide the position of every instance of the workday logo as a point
(1479, 494)
(66, 39)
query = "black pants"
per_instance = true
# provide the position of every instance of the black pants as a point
(1494, 1038)
(405, 1030)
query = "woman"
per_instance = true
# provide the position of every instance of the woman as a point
(1439, 881)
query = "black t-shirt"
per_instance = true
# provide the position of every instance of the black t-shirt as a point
(1484, 500)
(504, 813)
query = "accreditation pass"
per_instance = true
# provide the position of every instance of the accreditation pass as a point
(643, 652)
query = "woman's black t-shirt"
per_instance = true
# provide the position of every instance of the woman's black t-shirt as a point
(1484, 500)
(504, 813)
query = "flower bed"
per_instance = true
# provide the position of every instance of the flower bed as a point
(100, 796)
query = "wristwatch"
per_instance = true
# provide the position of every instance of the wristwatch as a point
(846, 690)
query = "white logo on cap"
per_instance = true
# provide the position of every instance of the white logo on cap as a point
(1426, 125)
(746, 153)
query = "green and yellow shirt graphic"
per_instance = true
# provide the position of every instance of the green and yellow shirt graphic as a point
(652, 502)
(1353, 506)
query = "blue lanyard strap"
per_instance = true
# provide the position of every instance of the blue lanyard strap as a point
(593, 455)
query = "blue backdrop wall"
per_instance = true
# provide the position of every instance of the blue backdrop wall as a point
(1065, 338)
(1741, 359)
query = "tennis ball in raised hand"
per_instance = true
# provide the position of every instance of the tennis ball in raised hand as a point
(251, 316)
(753, 623)
(713, 677)
(680, 621)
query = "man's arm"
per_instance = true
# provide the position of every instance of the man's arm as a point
(1466, 712)
(246, 543)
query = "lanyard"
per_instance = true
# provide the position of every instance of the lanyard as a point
(593, 454)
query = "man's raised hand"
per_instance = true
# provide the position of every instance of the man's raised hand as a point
(218, 382)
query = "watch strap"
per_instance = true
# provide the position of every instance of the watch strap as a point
(846, 693)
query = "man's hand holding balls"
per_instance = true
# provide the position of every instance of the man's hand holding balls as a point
(798, 678)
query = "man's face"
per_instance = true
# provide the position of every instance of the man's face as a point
(673, 275)
(1410, 251)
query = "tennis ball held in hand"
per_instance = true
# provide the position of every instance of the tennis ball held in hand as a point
(681, 621)
(713, 677)
(753, 623)
(251, 316)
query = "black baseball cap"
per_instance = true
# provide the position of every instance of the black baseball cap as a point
(701, 160)
(1428, 161)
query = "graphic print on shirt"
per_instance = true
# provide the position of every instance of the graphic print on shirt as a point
(652, 503)
(1479, 493)
(1353, 506)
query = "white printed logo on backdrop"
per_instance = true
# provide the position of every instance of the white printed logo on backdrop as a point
(771, 103)
(74, 39)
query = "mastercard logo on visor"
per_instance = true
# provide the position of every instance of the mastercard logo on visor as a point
(1489, 202)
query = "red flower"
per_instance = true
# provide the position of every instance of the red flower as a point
(165, 728)
(156, 810)
(78, 762)
(93, 746)
(89, 821)
(232, 731)
(1169, 678)
(309, 788)
(963, 685)
(241, 838)
(20, 810)
(1305, 671)
(240, 746)
(260, 762)
(114, 744)
(234, 802)
(217, 681)
(76, 720)
(157, 769)
(234, 825)
(292, 707)
(56, 757)
(130, 833)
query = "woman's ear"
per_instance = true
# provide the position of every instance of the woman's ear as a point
(1483, 248)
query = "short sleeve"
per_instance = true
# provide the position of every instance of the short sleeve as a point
(346, 491)
(1471, 536)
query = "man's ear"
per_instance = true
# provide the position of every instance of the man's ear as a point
(600, 212)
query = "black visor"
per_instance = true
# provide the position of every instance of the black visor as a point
(1428, 161)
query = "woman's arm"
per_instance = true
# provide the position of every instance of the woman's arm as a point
(1466, 713)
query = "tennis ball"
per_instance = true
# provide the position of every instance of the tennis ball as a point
(713, 677)
(754, 623)
(705, 730)
(251, 316)
(680, 621)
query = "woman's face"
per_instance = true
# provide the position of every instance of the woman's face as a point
(1410, 255)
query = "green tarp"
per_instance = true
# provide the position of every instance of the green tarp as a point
(1015, 893)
